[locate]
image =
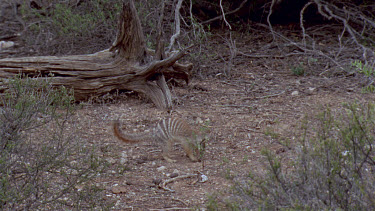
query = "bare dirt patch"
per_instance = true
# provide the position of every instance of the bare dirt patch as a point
(260, 94)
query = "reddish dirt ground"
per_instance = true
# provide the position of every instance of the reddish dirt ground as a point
(259, 94)
(238, 110)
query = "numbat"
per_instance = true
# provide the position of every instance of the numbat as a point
(168, 132)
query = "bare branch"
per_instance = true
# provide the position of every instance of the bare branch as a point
(268, 19)
(223, 14)
(301, 23)
(177, 26)
(228, 13)
(347, 18)
(233, 54)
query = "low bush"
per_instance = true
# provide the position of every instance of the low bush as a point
(334, 168)
(43, 163)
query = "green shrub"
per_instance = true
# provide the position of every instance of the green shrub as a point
(43, 163)
(298, 70)
(334, 168)
(369, 72)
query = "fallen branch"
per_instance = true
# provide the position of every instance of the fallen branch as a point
(127, 65)
(163, 185)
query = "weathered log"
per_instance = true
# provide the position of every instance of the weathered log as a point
(127, 65)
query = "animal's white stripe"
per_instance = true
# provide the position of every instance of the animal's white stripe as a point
(178, 126)
(166, 128)
(161, 132)
(169, 128)
(173, 127)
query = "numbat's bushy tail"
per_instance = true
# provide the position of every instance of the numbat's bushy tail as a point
(167, 132)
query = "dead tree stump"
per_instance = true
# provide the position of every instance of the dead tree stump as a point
(126, 65)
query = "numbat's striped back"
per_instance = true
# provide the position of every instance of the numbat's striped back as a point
(171, 128)
(168, 131)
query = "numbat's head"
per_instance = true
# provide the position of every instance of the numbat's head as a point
(197, 144)
(167, 132)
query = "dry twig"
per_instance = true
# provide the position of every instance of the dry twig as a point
(163, 185)
(228, 13)
(223, 14)
(355, 38)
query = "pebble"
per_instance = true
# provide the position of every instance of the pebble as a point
(161, 168)
(204, 178)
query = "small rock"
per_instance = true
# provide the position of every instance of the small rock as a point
(141, 160)
(6, 44)
(350, 89)
(295, 93)
(119, 189)
(310, 90)
(204, 178)
(161, 168)
(79, 187)
(173, 175)
(123, 160)
(111, 160)
(128, 182)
